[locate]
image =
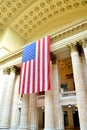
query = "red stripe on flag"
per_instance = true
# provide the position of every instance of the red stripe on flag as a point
(48, 40)
(24, 77)
(43, 64)
(28, 87)
(38, 66)
(33, 84)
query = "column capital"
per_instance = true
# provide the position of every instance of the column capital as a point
(15, 69)
(83, 42)
(6, 71)
(53, 58)
(72, 47)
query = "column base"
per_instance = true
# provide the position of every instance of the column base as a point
(52, 129)
(4, 127)
(22, 129)
(49, 129)
(13, 128)
(32, 128)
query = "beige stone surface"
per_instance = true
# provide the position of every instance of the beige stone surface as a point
(58, 114)
(85, 53)
(24, 113)
(80, 90)
(7, 103)
(32, 116)
(15, 113)
(49, 110)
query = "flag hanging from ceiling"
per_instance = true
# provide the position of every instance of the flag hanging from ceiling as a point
(35, 68)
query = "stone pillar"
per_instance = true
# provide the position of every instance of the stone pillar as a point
(58, 112)
(84, 46)
(24, 113)
(3, 84)
(80, 87)
(15, 112)
(32, 118)
(7, 103)
(70, 117)
(49, 112)
(85, 70)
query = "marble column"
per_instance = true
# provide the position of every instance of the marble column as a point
(49, 111)
(15, 111)
(58, 112)
(80, 86)
(84, 69)
(7, 103)
(3, 84)
(32, 118)
(84, 46)
(70, 117)
(24, 113)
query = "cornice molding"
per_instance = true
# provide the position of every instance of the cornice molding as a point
(69, 30)
(15, 57)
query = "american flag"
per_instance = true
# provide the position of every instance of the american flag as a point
(35, 68)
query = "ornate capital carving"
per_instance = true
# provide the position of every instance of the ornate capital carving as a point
(6, 71)
(72, 47)
(13, 68)
(53, 58)
(83, 42)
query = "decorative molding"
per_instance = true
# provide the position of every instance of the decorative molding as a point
(6, 71)
(10, 9)
(83, 42)
(13, 68)
(69, 30)
(62, 43)
(72, 47)
(11, 56)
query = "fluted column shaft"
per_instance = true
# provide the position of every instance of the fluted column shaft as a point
(1, 84)
(24, 113)
(7, 103)
(58, 114)
(80, 88)
(4, 84)
(15, 112)
(49, 111)
(32, 118)
(84, 46)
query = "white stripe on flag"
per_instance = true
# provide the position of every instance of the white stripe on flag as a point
(41, 64)
(36, 68)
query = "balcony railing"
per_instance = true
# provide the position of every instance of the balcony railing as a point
(67, 94)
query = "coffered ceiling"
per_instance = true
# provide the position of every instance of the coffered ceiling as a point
(28, 17)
